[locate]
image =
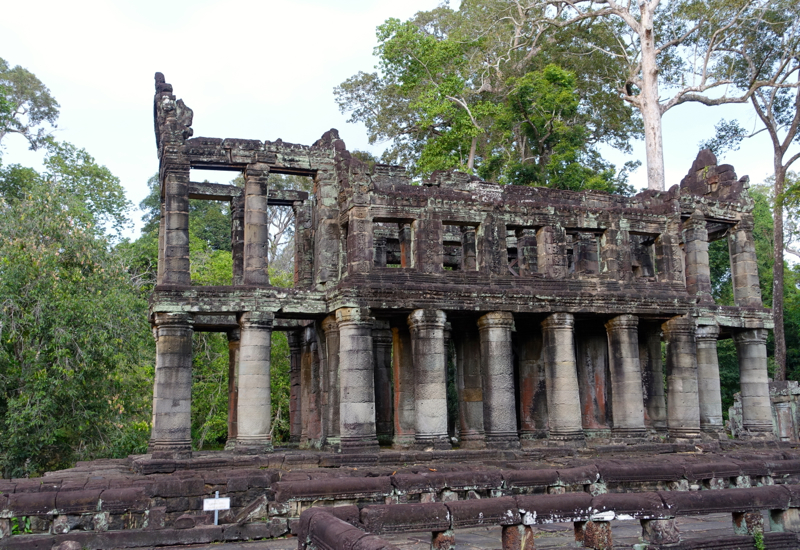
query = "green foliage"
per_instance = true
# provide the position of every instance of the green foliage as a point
(451, 94)
(75, 353)
(25, 104)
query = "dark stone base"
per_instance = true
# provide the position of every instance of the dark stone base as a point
(434, 443)
(359, 445)
(502, 441)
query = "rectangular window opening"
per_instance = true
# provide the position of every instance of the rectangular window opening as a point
(643, 255)
(459, 251)
(392, 243)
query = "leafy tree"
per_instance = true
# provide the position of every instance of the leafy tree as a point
(769, 57)
(25, 105)
(452, 93)
(75, 356)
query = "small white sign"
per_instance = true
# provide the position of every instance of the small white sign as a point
(211, 504)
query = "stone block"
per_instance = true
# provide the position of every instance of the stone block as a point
(474, 513)
(407, 517)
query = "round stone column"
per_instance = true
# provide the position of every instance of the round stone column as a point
(430, 378)
(331, 415)
(499, 403)
(751, 347)
(356, 381)
(563, 396)
(254, 414)
(683, 408)
(382, 354)
(708, 386)
(627, 402)
(470, 388)
(172, 386)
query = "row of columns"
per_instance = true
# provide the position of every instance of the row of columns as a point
(361, 406)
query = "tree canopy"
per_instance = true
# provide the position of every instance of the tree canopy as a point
(25, 105)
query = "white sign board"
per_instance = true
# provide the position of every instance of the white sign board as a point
(211, 504)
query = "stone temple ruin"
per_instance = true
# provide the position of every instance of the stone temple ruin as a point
(551, 304)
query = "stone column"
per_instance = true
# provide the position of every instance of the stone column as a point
(172, 387)
(751, 348)
(655, 405)
(380, 251)
(254, 413)
(404, 235)
(256, 225)
(526, 252)
(470, 389)
(551, 252)
(403, 376)
(430, 377)
(744, 265)
(627, 403)
(563, 398)
(683, 408)
(497, 358)
(233, 386)
(356, 381)
(310, 390)
(698, 273)
(532, 384)
(382, 352)
(708, 386)
(331, 417)
(176, 219)
(237, 239)
(295, 339)
(469, 257)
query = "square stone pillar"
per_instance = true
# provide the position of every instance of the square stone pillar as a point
(356, 381)
(683, 405)
(751, 348)
(403, 377)
(551, 249)
(331, 413)
(469, 251)
(382, 352)
(497, 359)
(295, 339)
(172, 387)
(526, 252)
(470, 388)
(655, 405)
(744, 264)
(256, 225)
(532, 384)
(563, 397)
(254, 412)
(627, 403)
(233, 386)
(175, 270)
(594, 384)
(708, 385)
(237, 239)
(698, 273)
(430, 378)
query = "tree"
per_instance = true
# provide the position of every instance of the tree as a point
(769, 57)
(75, 356)
(25, 105)
(686, 45)
(450, 94)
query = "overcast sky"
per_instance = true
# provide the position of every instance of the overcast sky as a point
(249, 69)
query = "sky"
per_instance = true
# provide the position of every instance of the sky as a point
(248, 69)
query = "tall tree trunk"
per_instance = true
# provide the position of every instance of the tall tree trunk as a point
(471, 161)
(777, 274)
(648, 102)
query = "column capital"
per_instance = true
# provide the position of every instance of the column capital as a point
(174, 319)
(678, 325)
(427, 318)
(623, 322)
(256, 319)
(706, 332)
(751, 337)
(329, 324)
(256, 169)
(559, 321)
(696, 221)
(294, 337)
(353, 316)
(234, 335)
(496, 319)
